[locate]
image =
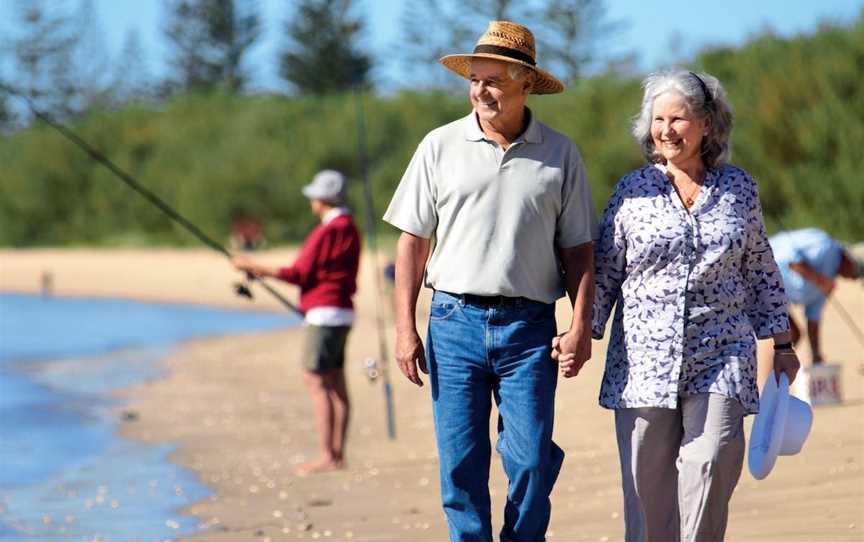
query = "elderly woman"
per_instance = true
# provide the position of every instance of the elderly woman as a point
(684, 258)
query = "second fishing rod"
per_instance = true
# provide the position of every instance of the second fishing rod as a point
(133, 183)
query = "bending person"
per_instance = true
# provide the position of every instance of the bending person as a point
(811, 261)
(326, 272)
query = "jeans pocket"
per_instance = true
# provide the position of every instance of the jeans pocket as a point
(442, 311)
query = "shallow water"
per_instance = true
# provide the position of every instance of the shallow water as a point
(64, 473)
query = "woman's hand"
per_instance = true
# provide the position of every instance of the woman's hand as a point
(786, 361)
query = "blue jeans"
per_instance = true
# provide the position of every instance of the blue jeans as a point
(477, 352)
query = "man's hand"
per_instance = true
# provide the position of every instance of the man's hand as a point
(571, 350)
(242, 263)
(786, 361)
(410, 355)
(246, 265)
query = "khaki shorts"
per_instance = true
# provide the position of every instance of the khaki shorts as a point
(325, 348)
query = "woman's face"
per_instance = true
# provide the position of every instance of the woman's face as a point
(676, 132)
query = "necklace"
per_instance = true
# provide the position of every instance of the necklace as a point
(690, 198)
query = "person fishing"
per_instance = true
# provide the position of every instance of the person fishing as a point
(326, 272)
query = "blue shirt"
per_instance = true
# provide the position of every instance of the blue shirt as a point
(691, 290)
(818, 250)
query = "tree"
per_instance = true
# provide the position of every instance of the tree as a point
(571, 32)
(568, 33)
(7, 118)
(131, 81)
(91, 60)
(321, 56)
(42, 48)
(210, 38)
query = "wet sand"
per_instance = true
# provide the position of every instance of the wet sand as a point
(238, 411)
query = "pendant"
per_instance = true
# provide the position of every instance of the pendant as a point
(689, 202)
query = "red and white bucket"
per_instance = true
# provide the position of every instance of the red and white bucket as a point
(819, 384)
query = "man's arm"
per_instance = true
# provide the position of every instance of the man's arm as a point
(248, 265)
(573, 348)
(823, 282)
(411, 254)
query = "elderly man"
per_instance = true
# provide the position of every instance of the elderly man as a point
(508, 204)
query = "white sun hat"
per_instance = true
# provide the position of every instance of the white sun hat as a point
(780, 428)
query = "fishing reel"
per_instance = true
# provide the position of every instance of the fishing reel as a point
(242, 288)
(370, 368)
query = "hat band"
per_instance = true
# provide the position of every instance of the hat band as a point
(505, 51)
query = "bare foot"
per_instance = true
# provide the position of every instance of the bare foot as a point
(319, 466)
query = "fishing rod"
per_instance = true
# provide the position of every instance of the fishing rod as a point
(147, 194)
(373, 246)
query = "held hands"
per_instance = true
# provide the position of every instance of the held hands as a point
(410, 355)
(571, 350)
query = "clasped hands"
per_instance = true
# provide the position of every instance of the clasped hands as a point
(571, 350)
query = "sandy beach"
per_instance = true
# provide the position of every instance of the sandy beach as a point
(237, 410)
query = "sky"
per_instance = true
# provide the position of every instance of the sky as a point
(659, 33)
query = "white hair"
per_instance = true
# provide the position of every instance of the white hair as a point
(704, 96)
(518, 72)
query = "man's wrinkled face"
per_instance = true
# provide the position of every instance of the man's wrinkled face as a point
(495, 96)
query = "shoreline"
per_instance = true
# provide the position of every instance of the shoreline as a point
(236, 409)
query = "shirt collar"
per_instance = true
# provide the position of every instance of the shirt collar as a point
(333, 213)
(473, 132)
(663, 178)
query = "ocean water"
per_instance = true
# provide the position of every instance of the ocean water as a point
(64, 473)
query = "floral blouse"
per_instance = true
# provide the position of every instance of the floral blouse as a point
(692, 290)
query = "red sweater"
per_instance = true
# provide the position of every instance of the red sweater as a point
(326, 269)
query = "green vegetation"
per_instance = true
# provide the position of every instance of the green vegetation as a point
(799, 108)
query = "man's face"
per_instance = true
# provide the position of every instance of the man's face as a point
(496, 97)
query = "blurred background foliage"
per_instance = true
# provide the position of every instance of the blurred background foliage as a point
(212, 150)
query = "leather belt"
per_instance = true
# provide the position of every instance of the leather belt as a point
(492, 300)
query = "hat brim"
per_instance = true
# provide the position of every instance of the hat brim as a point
(766, 436)
(545, 83)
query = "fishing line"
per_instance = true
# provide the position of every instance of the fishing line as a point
(144, 192)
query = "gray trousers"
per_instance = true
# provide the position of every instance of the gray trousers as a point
(679, 468)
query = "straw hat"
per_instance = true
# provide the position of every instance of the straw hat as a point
(780, 428)
(509, 42)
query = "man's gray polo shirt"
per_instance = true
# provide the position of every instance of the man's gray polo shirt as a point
(496, 217)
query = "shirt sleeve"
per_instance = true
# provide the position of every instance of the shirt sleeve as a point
(302, 271)
(413, 208)
(577, 223)
(610, 261)
(765, 300)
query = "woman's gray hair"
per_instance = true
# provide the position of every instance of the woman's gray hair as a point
(705, 97)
